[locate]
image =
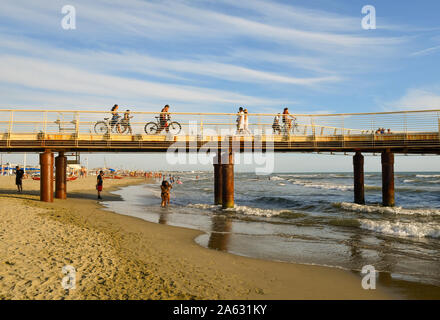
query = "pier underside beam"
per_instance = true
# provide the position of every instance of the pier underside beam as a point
(358, 170)
(60, 176)
(46, 176)
(388, 178)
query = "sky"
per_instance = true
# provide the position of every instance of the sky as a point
(212, 56)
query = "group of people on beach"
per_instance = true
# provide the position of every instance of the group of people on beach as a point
(383, 131)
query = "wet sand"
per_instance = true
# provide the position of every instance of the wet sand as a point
(121, 257)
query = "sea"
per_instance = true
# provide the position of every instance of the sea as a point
(310, 218)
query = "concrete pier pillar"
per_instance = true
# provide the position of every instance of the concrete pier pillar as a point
(358, 170)
(60, 176)
(228, 182)
(46, 176)
(388, 178)
(218, 179)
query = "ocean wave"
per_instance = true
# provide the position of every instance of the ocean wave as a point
(428, 175)
(278, 200)
(340, 222)
(276, 178)
(385, 210)
(408, 181)
(401, 229)
(245, 210)
(321, 185)
(301, 175)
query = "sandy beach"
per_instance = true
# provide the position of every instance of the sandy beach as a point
(121, 257)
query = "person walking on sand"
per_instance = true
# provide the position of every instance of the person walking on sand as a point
(99, 183)
(165, 189)
(19, 173)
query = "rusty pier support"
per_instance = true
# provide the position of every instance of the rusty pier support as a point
(46, 176)
(228, 180)
(388, 178)
(358, 170)
(218, 179)
(60, 176)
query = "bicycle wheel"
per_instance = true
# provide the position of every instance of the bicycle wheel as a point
(175, 128)
(101, 127)
(151, 128)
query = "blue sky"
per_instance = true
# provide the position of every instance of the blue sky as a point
(211, 56)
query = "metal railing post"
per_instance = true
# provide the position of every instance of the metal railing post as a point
(343, 132)
(438, 120)
(11, 121)
(44, 125)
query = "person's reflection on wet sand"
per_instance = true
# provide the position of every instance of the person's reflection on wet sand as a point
(220, 232)
(163, 217)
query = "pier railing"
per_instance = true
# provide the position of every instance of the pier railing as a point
(341, 130)
(60, 121)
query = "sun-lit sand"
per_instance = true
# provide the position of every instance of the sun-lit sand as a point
(120, 257)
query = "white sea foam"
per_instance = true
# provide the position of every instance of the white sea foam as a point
(408, 180)
(428, 175)
(387, 210)
(320, 185)
(242, 210)
(276, 178)
(402, 229)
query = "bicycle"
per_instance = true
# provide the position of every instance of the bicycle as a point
(283, 128)
(109, 125)
(156, 127)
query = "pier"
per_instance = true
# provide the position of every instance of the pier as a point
(50, 132)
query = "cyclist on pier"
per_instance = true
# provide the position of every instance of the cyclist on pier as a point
(287, 121)
(164, 117)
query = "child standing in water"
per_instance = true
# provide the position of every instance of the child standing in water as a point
(165, 193)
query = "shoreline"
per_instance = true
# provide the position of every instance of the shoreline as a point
(151, 261)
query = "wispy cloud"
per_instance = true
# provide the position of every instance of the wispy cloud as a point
(426, 51)
(417, 99)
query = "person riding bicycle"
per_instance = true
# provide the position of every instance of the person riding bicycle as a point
(126, 121)
(164, 117)
(115, 118)
(287, 121)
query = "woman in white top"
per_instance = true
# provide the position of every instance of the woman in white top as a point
(240, 121)
(246, 122)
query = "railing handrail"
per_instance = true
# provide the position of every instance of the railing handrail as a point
(226, 114)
